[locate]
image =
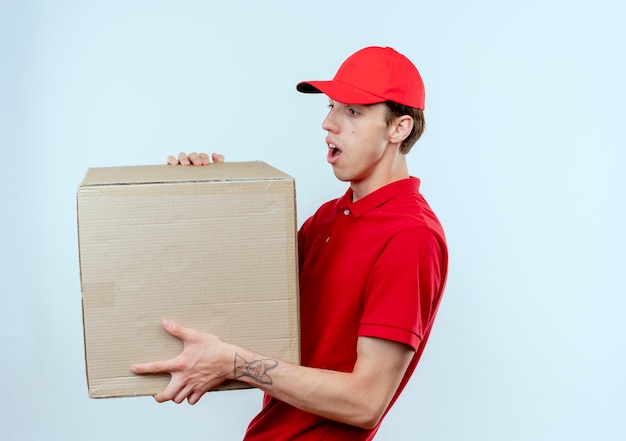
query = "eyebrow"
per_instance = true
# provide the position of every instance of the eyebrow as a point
(331, 101)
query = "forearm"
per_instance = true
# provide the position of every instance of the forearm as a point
(330, 394)
(357, 398)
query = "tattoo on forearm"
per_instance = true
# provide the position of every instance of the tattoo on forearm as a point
(255, 369)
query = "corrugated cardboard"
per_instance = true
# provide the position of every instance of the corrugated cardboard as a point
(212, 248)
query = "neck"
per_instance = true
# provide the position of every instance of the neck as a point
(396, 171)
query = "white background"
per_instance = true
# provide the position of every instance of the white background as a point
(522, 160)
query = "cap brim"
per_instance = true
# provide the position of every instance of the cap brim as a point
(340, 92)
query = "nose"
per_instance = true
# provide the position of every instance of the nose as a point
(329, 124)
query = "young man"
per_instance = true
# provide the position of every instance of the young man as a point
(373, 266)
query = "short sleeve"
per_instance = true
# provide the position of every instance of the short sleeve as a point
(404, 288)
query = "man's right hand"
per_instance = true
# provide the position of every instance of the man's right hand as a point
(194, 159)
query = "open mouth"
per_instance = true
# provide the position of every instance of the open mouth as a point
(333, 151)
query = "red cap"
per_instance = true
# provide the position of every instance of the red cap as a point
(373, 75)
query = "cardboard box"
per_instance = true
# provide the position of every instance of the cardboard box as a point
(213, 248)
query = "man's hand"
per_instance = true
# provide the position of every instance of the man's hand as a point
(206, 361)
(194, 159)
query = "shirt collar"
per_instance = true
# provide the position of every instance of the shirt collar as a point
(378, 197)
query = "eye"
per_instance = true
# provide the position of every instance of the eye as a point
(352, 111)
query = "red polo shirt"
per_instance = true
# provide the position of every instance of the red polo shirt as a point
(375, 267)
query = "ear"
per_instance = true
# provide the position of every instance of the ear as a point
(400, 129)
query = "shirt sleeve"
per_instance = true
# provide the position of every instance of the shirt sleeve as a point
(404, 287)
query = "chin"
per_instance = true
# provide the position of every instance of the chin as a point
(340, 176)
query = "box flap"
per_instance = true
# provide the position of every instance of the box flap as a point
(149, 174)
